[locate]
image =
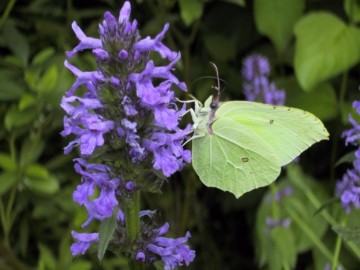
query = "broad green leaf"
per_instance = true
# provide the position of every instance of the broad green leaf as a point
(352, 9)
(220, 46)
(81, 265)
(7, 180)
(285, 244)
(17, 43)
(7, 163)
(10, 87)
(26, 102)
(48, 80)
(276, 19)
(325, 47)
(15, 118)
(191, 10)
(322, 102)
(106, 232)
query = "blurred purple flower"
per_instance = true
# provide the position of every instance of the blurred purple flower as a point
(257, 87)
(84, 240)
(348, 188)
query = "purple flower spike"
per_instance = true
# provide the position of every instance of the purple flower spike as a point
(85, 42)
(257, 87)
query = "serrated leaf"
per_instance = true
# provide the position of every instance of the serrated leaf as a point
(325, 47)
(15, 118)
(191, 10)
(276, 19)
(7, 163)
(106, 232)
(17, 43)
(352, 9)
(48, 80)
(7, 180)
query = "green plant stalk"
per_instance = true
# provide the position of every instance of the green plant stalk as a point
(6, 13)
(338, 243)
(274, 207)
(313, 199)
(309, 232)
(132, 219)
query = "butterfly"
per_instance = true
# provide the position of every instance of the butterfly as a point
(238, 146)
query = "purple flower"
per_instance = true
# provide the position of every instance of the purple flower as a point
(173, 252)
(257, 87)
(84, 240)
(348, 188)
(125, 117)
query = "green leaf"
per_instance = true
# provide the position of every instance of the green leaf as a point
(17, 43)
(220, 46)
(43, 56)
(352, 9)
(7, 180)
(15, 118)
(48, 80)
(31, 150)
(10, 88)
(325, 47)
(322, 102)
(276, 19)
(47, 259)
(26, 102)
(191, 10)
(285, 244)
(347, 158)
(240, 3)
(37, 171)
(7, 163)
(46, 186)
(106, 232)
(348, 233)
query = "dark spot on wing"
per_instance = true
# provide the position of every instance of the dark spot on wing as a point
(271, 121)
(245, 159)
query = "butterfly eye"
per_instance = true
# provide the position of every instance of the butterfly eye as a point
(213, 105)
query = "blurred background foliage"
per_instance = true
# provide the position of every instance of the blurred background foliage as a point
(314, 49)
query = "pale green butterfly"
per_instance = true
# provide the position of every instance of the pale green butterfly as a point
(238, 146)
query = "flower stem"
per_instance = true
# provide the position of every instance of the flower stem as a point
(132, 219)
(6, 13)
(335, 260)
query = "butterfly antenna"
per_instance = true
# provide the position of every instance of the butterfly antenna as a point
(215, 101)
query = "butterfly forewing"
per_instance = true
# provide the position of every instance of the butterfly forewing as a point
(286, 131)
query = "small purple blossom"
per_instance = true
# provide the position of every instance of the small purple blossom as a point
(257, 87)
(84, 240)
